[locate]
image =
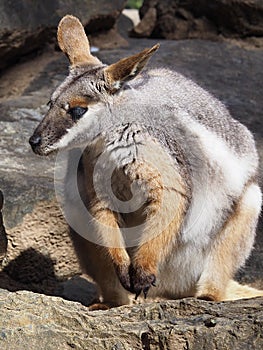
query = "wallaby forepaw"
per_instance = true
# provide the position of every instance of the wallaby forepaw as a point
(122, 272)
(135, 280)
(141, 281)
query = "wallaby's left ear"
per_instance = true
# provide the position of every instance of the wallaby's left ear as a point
(73, 41)
(126, 69)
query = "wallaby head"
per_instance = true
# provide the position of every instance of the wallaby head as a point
(77, 103)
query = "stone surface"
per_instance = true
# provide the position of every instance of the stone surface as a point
(33, 321)
(26, 26)
(205, 19)
(146, 26)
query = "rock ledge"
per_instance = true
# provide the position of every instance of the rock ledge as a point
(35, 321)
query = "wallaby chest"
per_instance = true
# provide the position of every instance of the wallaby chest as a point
(127, 169)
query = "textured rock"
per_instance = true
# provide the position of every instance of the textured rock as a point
(204, 19)
(25, 26)
(146, 26)
(33, 321)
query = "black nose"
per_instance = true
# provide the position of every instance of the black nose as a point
(35, 141)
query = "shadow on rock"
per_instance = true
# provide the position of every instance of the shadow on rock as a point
(34, 271)
(3, 236)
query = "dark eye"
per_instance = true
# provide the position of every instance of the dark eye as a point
(77, 112)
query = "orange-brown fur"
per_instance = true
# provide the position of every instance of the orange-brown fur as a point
(147, 256)
(78, 102)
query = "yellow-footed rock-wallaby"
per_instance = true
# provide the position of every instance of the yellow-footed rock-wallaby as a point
(167, 200)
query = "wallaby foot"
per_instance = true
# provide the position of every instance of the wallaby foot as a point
(100, 306)
(235, 291)
(210, 292)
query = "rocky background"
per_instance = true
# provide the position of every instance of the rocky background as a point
(213, 20)
(220, 47)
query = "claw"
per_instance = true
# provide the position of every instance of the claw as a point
(137, 294)
(140, 281)
(145, 292)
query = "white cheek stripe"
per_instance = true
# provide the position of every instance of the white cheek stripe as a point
(78, 135)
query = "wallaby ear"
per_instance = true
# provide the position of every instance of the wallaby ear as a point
(126, 69)
(73, 41)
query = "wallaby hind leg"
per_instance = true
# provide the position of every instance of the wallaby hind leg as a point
(97, 263)
(230, 248)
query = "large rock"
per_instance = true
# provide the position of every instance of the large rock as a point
(33, 321)
(25, 26)
(206, 19)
